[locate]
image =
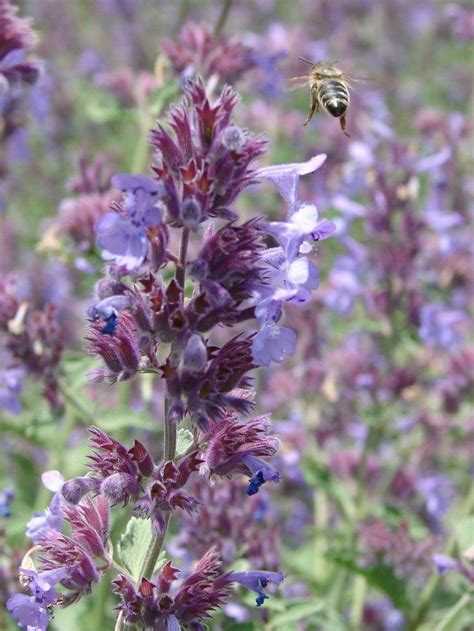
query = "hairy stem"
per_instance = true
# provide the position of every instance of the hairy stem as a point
(181, 264)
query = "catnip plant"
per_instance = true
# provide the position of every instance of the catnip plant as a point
(164, 312)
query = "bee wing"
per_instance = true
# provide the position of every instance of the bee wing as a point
(351, 79)
(296, 83)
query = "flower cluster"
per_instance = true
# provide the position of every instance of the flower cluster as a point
(66, 561)
(198, 51)
(32, 338)
(206, 588)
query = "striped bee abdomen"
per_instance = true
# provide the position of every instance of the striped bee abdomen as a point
(334, 97)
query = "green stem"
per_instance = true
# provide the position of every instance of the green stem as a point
(184, 7)
(226, 5)
(157, 540)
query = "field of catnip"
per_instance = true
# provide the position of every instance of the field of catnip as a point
(236, 358)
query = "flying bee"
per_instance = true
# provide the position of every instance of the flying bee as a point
(329, 88)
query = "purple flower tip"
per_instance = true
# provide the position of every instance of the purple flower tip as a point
(257, 582)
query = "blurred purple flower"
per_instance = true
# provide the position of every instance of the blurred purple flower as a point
(11, 381)
(437, 492)
(6, 498)
(444, 564)
(441, 326)
(122, 235)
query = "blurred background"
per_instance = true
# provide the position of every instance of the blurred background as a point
(373, 522)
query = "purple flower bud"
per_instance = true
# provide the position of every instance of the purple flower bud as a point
(74, 490)
(176, 410)
(142, 457)
(195, 354)
(232, 138)
(191, 214)
(119, 487)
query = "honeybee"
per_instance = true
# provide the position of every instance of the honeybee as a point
(329, 88)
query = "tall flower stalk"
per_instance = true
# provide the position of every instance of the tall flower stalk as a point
(156, 311)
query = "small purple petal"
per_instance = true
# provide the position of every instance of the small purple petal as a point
(52, 480)
(273, 343)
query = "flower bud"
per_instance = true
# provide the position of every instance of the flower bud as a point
(119, 486)
(191, 213)
(195, 354)
(176, 411)
(232, 138)
(74, 490)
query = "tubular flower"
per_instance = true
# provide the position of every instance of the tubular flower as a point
(117, 342)
(34, 611)
(235, 447)
(89, 524)
(122, 235)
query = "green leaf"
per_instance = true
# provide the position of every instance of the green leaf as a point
(296, 612)
(184, 440)
(381, 577)
(133, 545)
(464, 531)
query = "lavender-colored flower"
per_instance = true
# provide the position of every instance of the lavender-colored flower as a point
(441, 326)
(33, 611)
(122, 235)
(303, 224)
(444, 563)
(285, 177)
(272, 344)
(51, 519)
(437, 492)
(257, 581)
(11, 382)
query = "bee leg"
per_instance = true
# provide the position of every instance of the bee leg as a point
(342, 120)
(314, 106)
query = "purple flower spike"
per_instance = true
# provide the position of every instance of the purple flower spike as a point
(286, 176)
(272, 344)
(122, 235)
(257, 581)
